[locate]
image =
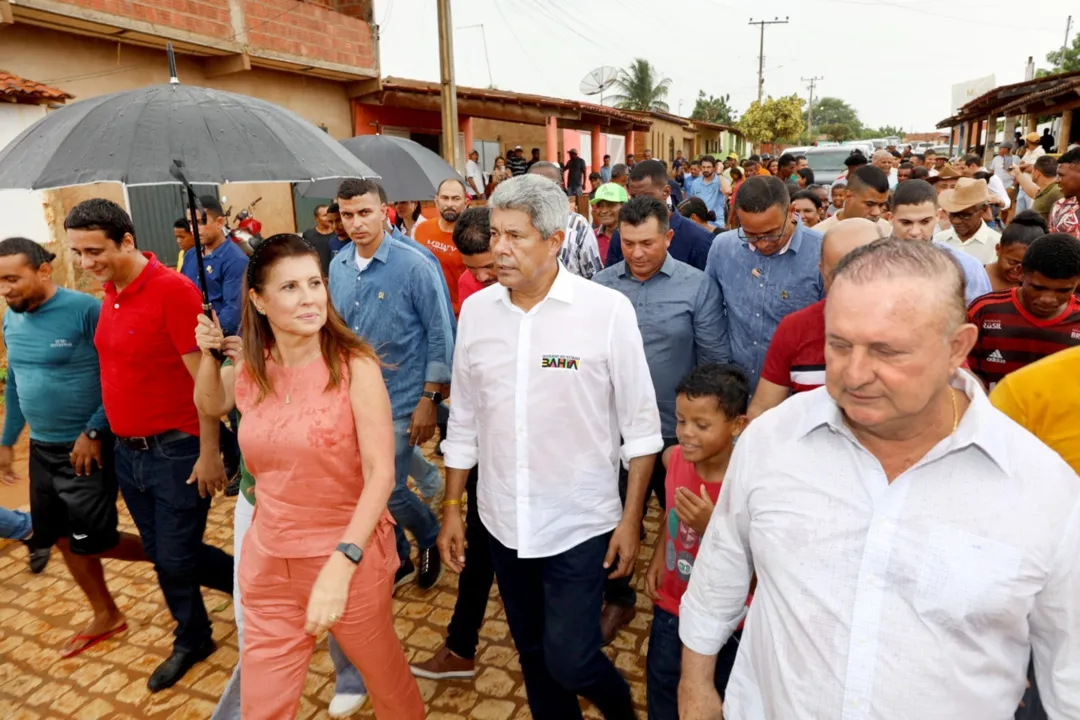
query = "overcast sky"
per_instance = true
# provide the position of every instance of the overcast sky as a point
(894, 61)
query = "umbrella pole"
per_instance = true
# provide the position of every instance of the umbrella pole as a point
(194, 208)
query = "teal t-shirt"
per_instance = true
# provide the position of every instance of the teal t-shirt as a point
(53, 380)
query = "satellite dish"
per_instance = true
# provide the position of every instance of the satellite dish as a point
(599, 80)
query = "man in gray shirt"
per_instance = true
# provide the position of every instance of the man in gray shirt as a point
(679, 314)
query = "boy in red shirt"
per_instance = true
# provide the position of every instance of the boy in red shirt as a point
(710, 412)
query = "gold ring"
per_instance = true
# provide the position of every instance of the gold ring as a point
(333, 617)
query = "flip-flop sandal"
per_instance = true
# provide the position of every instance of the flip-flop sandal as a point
(90, 641)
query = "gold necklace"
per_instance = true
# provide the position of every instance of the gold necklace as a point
(292, 380)
(955, 410)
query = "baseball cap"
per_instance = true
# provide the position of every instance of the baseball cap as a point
(517, 147)
(733, 156)
(1032, 137)
(610, 192)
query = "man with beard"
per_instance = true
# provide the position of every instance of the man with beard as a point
(451, 199)
(712, 188)
(1024, 324)
(53, 383)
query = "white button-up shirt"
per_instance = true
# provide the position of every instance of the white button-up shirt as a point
(980, 245)
(915, 599)
(540, 400)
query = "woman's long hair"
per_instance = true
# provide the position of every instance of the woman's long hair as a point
(339, 344)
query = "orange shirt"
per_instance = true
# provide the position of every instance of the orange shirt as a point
(441, 244)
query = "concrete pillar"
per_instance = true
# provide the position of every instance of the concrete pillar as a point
(597, 151)
(1010, 128)
(991, 140)
(1032, 123)
(1065, 130)
(467, 131)
(552, 140)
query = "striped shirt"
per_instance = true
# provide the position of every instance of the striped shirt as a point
(1010, 337)
(796, 356)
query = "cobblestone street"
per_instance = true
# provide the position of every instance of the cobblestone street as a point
(38, 614)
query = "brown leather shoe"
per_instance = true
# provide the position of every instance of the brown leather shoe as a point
(614, 617)
(443, 665)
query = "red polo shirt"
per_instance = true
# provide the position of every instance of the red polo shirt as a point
(796, 355)
(143, 332)
(466, 286)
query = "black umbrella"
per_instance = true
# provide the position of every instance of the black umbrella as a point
(167, 134)
(407, 169)
(133, 137)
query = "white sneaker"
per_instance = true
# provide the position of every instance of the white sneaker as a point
(344, 705)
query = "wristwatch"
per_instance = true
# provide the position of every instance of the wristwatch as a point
(435, 397)
(92, 433)
(351, 551)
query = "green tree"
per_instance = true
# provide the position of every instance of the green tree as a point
(834, 111)
(713, 109)
(774, 120)
(837, 132)
(1065, 59)
(641, 88)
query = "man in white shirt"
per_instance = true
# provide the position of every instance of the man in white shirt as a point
(911, 543)
(965, 205)
(552, 373)
(474, 176)
(998, 195)
(1003, 163)
(1032, 151)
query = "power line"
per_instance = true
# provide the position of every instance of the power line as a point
(761, 54)
(524, 49)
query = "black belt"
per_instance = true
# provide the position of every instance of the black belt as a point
(145, 444)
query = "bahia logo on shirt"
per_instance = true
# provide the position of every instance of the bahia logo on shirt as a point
(992, 325)
(562, 362)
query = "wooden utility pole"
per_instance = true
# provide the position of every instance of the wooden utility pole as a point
(449, 87)
(810, 108)
(761, 53)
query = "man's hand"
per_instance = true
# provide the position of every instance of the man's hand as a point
(624, 544)
(654, 576)
(699, 701)
(422, 425)
(7, 472)
(85, 453)
(209, 473)
(451, 540)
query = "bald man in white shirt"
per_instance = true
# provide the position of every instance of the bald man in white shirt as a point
(911, 543)
(552, 373)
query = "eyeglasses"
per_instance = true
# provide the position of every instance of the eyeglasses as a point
(766, 239)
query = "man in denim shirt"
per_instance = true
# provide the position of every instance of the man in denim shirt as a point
(766, 269)
(389, 294)
(682, 325)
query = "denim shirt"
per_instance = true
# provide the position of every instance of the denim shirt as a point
(395, 304)
(763, 289)
(690, 243)
(405, 239)
(225, 266)
(681, 321)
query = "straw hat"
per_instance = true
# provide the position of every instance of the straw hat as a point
(967, 193)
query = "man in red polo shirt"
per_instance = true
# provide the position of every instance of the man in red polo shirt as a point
(472, 237)
(795, 361)
(168, 464)
(1024, 324)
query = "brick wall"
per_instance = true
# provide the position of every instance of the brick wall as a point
(206, 17)
(309, 30)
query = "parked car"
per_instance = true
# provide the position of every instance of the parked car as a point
(864, 146)
(827, 162)
(794, 151)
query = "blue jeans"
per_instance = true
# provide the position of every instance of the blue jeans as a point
(553, 608)
(228, 707)
(171, 518)
(1033, 708)
(409, 512)
(14, 524)
(424, 474)
(663, 666)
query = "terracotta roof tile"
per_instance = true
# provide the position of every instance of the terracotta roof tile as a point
(17, 89)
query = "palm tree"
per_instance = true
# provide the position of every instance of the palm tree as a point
(641, 88)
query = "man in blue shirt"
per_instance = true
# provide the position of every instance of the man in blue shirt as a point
(390, 295)
(914, 217)
(605, 170)
(54, 383)
(766, 269)
(690, 243)
(226, 265)
(713, 188)
(682, 325)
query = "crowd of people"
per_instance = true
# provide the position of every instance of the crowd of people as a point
(854, 406)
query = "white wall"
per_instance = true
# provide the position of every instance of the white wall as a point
(22, 211)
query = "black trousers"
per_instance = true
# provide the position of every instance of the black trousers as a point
(621, 591)
(474, 584)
